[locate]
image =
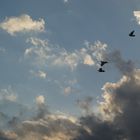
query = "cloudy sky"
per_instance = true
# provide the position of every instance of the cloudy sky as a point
(50, 51)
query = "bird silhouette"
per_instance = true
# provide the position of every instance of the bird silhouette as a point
(101, 70)
(131, 34)
(103, 62)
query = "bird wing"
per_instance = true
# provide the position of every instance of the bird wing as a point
(131, 33)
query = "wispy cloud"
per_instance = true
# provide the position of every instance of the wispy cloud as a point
(23, 23)
(43, 53)
(66, 1)
(39, 74)
(86, 105)
(8, 94)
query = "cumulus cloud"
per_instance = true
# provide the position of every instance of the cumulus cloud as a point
(8, 135)
(119, 111)
(50, 127)
(118, 116)
(23, 23)
(137, 16)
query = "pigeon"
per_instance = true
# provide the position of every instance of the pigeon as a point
(101, 70)
(131, 34)
(103, 62)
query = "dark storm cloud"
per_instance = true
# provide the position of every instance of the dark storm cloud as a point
(118, 117)
(126, 97)
(120, 110)
(7, 135)
(98, 129)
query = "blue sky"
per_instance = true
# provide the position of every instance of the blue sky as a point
(68, 25)
(50, 51)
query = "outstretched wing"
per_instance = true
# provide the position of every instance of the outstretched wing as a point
(132, 33)
(103, 62)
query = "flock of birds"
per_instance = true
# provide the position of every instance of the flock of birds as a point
(131, 34)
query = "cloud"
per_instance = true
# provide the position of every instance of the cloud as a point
(70, 86)
(137, 16)
(23, 23)
(124, 97)
(40, 99)
(118, 116)
(37, 42)
(8, 94)
(124, 66)
(65, 1)
(39, 74)
(8, 135)
(86, 105)
(43, 53)
(88, 60)
(50, 127)
(67, 90)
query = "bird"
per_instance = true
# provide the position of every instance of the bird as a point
(103, 62)
(101, 70)
(131, 34)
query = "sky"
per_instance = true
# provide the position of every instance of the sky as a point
(50, 53)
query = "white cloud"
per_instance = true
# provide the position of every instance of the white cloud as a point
(67, 90)
(40, 99)
(37, 42)
(40, 74)
(88, 60)
(137, 15)
(65, 1)
(8, 94)
(98, 50)
(23, 23)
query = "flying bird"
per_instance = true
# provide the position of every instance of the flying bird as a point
(101, 70)
(103, 62)
(131, 34)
